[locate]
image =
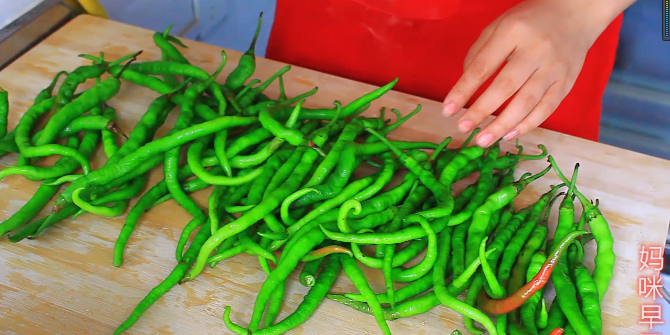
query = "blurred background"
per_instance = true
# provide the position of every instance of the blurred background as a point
(636, 105)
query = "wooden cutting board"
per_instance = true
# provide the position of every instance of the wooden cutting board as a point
(63, 282)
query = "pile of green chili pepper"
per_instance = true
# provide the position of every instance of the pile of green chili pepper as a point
(284, 190)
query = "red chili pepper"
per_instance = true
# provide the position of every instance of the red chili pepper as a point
(557, 331)
(514, 301)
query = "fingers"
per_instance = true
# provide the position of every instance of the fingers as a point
(483, 65)
(540, 113)
(512, 77)
(519, 107)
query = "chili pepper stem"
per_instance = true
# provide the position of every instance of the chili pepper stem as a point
(573, 182)
(252, 47)
(525, 181)
(469, 139)
(439, 149)
(114, 127)
(125, 66)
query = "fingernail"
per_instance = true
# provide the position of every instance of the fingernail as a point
(465, 126)
(484, 140)
(449, 108)
(511, 135)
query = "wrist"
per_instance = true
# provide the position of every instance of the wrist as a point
(594, 15)
(605, 11)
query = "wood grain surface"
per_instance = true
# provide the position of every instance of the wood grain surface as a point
(63, 282)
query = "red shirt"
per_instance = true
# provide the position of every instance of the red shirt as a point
(424, 43)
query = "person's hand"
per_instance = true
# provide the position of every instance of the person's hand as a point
(542, 45)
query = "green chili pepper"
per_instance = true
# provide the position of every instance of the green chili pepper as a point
(4, 111)
(355, 274)
(247, 63)
(169, 282)
(605, 257)
(588, 293)
(324, 282)
(486, 176)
